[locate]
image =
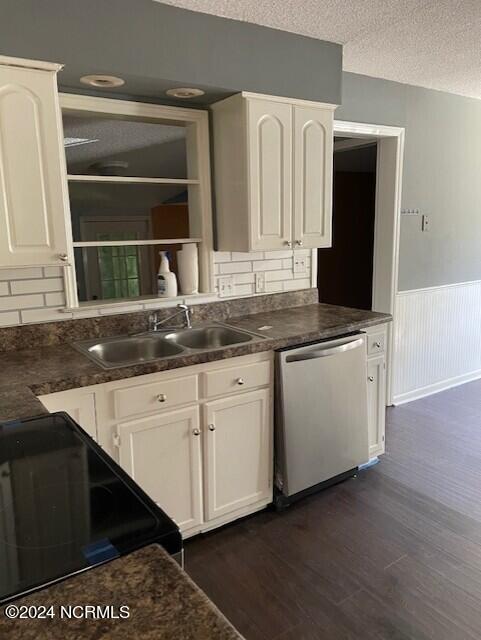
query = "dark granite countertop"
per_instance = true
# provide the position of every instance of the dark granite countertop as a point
(30, 372)
(164, 604)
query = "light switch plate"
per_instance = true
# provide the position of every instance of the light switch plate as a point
(260, 282)
(300, 264)
(226, 286)
(426, 223)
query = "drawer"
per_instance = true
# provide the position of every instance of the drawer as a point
(155, 396)
(376, 343)
(239, 378)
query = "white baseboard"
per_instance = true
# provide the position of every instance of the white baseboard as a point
(429, 390)
(437, 340)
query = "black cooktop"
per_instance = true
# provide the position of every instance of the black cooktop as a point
(66, 506)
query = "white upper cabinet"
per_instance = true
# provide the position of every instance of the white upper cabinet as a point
(273, 173)
(270, 174)
(313, 151)
(32, 174)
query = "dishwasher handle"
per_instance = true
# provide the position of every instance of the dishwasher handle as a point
(323, 353)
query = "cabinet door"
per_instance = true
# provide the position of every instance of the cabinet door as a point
(313, 140)
(78, 403)
(163, 455)
(238, 452)
(33, 191)
(270, 172)
(376, 389)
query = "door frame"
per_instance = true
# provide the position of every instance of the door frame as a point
(389, 169)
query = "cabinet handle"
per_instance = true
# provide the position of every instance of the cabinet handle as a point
(288, 243)
(211, 427)
(371, 378)
(377, 345)
(299, 243)
(240, 381)
(196, 432)
(161, 397)
(63, 257)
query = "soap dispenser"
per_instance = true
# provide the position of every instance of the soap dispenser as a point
(166, 279)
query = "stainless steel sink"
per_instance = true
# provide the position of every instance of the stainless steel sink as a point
(128, 350)
(123, 351)
(208, 337)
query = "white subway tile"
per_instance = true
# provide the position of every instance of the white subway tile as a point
(52, 272)
(21, 274)
(272, 287)
(244, 278)
(4, 289)
(235, 267)
(303, 252)
(222, 256)
(55, 299)
(216, 269)
(278, 255)
(278, 275)
(243, 290)
(44, 315)
(10, 303)
(239, 256)
(85, 313)
(287, 263)
(9, 318)
(267, 265)
(297, 284)
(35, 286)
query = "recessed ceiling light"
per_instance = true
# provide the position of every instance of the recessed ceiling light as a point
(185, 92)
(102, 81)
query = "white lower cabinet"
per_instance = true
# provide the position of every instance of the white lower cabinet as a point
(237, 445)
(376, 389)
(198, 440)
(78, 403)
(163, 454)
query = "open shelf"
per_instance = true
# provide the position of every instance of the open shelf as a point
(136, 243)
(128, 180)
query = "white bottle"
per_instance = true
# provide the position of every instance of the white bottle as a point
(166, 280)
(187, 264)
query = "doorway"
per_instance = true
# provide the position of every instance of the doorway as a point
(389, 162)
(345, 270)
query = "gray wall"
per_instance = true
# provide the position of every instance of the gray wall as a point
(442, 175)
(154, 46)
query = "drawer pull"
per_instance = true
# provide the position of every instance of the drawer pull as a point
(377, 345)
(211, 427)
(161, 397)
(196, 432)
(371, 378)
(240, 381)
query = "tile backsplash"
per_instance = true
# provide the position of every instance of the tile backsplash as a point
(277, 267)
(36, 294)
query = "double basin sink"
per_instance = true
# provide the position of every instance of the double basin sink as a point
(130, 350)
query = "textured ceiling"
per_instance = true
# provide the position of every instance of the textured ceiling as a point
(430, 43)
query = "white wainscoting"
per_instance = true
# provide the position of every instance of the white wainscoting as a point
(437, 342)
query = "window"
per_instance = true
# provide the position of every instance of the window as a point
(139, 182)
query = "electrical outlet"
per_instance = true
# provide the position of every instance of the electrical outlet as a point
(300, 264)
(226, 286)
(260, 282)
(426, 223)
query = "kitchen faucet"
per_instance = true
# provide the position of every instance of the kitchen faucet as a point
(155, 323)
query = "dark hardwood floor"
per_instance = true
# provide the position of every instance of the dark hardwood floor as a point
(392, 554)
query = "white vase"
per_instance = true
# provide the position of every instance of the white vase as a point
(188, 267)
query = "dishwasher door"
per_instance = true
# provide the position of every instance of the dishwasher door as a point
(321, 412)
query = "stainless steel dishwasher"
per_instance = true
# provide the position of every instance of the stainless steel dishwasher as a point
(321, 423)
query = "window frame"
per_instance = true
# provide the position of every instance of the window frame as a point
(196, 123)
